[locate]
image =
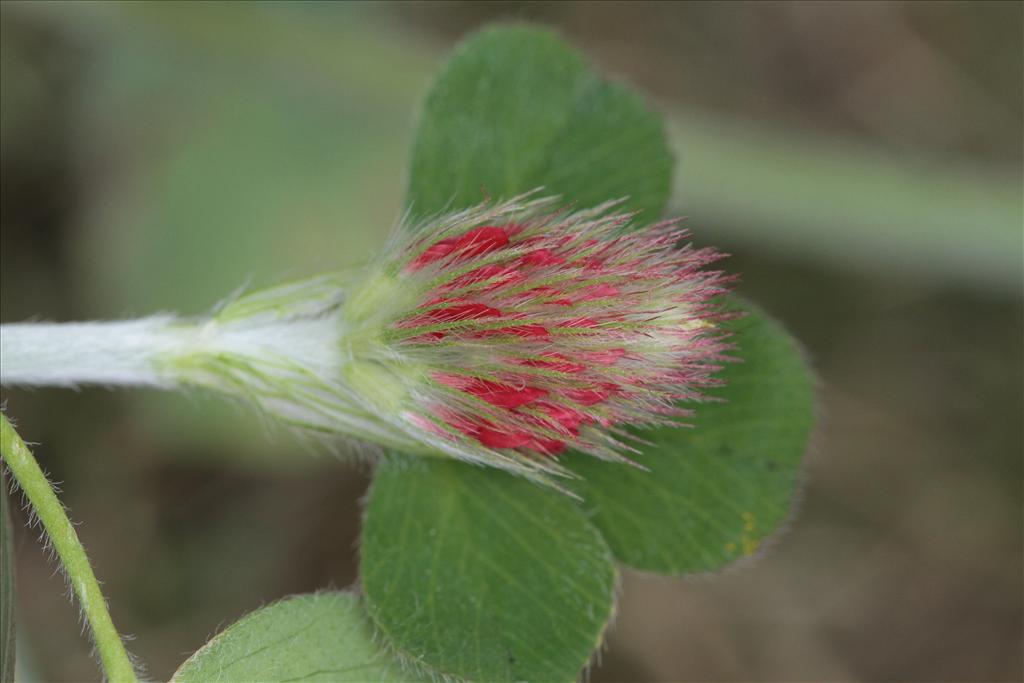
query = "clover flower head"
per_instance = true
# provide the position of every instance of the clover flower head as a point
(509, 333)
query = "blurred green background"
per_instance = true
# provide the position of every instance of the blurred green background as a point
(861, 161)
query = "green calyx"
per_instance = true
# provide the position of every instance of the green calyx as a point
(378, 383)
(379, 292)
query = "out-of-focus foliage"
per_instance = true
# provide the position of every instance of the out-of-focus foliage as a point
(839, 203)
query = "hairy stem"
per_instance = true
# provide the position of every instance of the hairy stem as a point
(152, 351)
(68, 354)
(116, 664)
(287, 350)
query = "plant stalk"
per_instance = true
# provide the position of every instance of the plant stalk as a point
(154, 351)
(61, 532)
(69, 354)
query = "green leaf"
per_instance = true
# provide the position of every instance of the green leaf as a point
(516, 109)
(481, 575)
(714, 493)
(316, 637)
(6, 589)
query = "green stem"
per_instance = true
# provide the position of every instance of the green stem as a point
(61, 532)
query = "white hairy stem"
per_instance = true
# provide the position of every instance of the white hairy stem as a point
(289, 366)
(69, 354)
(142, 352)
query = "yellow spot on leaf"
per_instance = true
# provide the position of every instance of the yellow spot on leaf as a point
(747, 540)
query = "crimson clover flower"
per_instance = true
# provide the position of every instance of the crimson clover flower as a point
(507, 334)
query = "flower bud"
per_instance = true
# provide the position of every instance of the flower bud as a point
(508, 334)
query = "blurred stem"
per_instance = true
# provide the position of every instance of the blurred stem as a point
(61, 532)
(835, 202)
